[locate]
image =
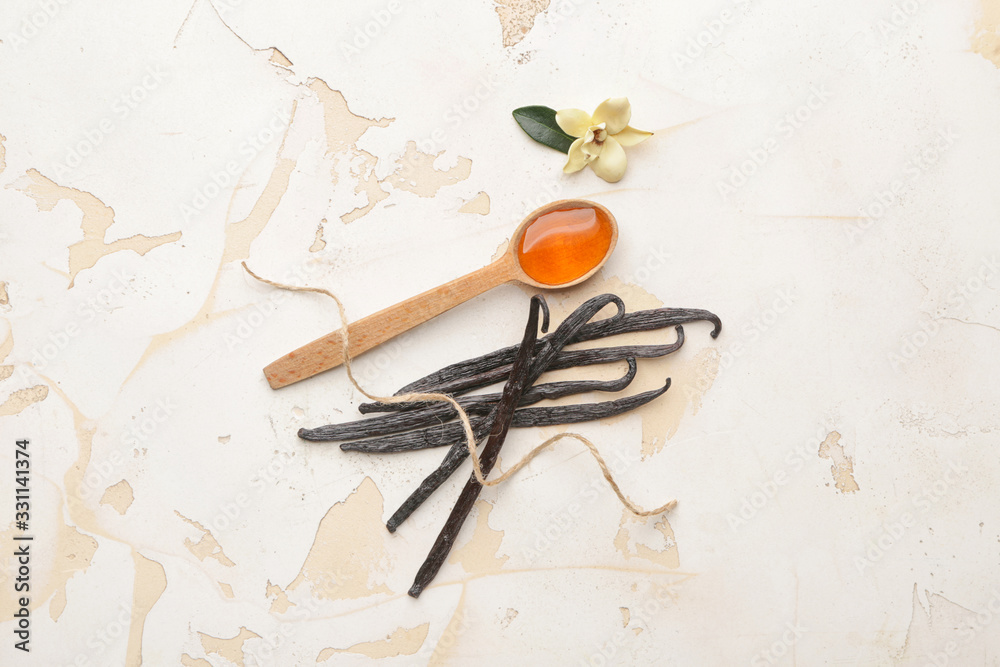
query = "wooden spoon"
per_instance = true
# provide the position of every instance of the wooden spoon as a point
(558, 245)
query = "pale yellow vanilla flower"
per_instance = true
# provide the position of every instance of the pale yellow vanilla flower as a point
(600, 138)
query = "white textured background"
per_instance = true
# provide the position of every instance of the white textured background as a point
(823, 176)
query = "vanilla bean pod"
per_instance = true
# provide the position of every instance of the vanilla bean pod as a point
(434, 413)
(549, 390)
(447, 434)
(552, 346)
(458, 452)
(641, 320)
(565, 359)
(520, 377)
(441, 434)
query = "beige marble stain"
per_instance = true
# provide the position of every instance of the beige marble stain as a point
(517, 17)
(71, 553)
(239, 236)
(367, 182)
(343, 127)
(118, 496)
(189, 661)
(279, 58)
(57, 605)
(22, 398)
(230, 648)
(85, 430)
(4, 297)
(479, 554)
(348, 550)
(691, 380)
(280, 604)
(663, 552)
(75, 549)
(843, 465)
(946, 627)
(480, 205)
(224, 439)
(227, 590)
(986, 36)
(319, 242)
(416, 172)
(5, 348)
(626, 616)
(97, 220)
(207, 546)
(7, 345)
(403, 641)
(150, 582)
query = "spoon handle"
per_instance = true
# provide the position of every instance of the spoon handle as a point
(327, 352)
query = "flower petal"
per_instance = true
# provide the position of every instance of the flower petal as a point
(590, 147)
(577, 159)
(611, 165)
(573, 122)
(631, 136)
(616, 112)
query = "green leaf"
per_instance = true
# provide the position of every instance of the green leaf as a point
(540, 124)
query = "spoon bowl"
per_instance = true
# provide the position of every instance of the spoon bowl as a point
(563, 243)
(556, 246)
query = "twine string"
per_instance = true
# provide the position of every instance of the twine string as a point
(470, 437)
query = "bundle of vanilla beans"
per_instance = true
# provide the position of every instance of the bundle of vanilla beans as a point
(420, 425)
